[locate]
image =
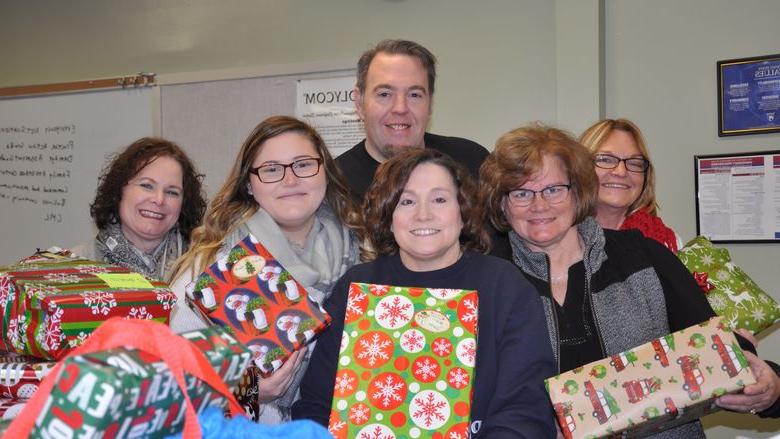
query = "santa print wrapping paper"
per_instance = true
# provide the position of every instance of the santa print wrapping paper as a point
(251, 295)
(667, 382)
(406, 363)
(49, 305)
(124, 393)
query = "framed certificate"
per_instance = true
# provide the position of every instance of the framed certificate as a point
(749, 95)
(738, 196)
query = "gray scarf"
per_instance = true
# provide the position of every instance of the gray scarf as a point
(330, 249)
(111, 246)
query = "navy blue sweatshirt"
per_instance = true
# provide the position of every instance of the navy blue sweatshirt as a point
(513, 350)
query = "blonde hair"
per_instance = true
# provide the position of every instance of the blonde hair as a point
(593, 138)
(233, 204)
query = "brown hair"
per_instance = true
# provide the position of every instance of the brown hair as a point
(389, 182)
(519, 154)
(233, 204)
(128, 163)
(397, 47)
(595, 136)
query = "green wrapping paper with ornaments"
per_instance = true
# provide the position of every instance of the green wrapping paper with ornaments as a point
(730, 291)
(136, 390)
(670, 381)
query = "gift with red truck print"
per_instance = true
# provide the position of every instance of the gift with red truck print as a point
(406, 363)
(652, 387)
(249, 293)
(50, 302)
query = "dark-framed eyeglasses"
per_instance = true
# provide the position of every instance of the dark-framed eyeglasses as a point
(552, 194)
(302, 168)
(633, 164)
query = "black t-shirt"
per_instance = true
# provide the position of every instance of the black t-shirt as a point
(359, 167)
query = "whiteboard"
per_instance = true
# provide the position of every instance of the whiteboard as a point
(52, 149)
(210, 120)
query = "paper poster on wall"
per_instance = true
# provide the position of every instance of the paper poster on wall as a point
(329, 106)
(738, 197)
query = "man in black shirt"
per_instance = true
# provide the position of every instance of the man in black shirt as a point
(393, 96)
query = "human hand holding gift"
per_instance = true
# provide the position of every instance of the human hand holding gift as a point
(276, 384)
(754, 397)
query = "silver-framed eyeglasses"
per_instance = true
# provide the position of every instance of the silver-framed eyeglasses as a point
(633, 164)
(553, 194)
(302, 168)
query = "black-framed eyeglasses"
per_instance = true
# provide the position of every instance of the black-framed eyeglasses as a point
(302, 168)
(552, 194)
(633, 164)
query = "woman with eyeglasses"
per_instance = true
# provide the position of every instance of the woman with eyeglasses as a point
(626, 181)
(285, 189)
(603, 291)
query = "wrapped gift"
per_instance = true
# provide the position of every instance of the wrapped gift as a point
(250, 294)
(667, 382)
(406, 363)
(730, 291)
(19, 380)
(51, 302)
(10, 407)
(130, 393)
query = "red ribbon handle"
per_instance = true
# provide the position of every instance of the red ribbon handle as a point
(179, 355)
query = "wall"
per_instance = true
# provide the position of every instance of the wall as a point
(660, 72)
(497, 63)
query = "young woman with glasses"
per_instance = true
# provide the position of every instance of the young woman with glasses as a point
(285, 189)
(626, 181)
(604, 291)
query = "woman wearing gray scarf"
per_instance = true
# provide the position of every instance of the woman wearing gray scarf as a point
(148, 201)
(285, 189)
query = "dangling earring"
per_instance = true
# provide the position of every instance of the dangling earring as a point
(249, 189)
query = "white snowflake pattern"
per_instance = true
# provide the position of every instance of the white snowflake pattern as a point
(92, 269)
(388, 390)
(336, 427)
(458, 378)
(429, 410)
(378, 290)
(376, 431)
(40, 292)
(471, 315)
(393, 312)
(344, 383)
(722, 275)
(99, 302)
(62, 278)
(717, 301)
(52, 334)
(166, 297)
(456, 435)
(16, 330)
(5, 290)
(139, 313)
(441, 347)
(707, 260)
(425, 369)
(79, 340)
(373, 349)
(413, 341)
(359, 413)
(467, 351)
(353, 301)
(758, 315)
